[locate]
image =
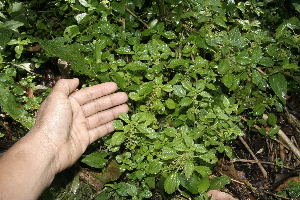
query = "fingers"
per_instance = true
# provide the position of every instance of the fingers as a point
(87, 94)
(100, 131)
(104, 103)
(100, 123)
(105, 116)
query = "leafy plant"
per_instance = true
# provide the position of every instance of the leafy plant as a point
(189, 68)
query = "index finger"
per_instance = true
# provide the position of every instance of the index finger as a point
(87, 94)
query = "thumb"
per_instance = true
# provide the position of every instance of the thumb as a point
(65, 86)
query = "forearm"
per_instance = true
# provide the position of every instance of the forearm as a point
(26, 169)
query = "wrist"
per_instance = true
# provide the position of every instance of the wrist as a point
(27, 168)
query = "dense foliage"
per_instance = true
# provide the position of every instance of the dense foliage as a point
(190, 69)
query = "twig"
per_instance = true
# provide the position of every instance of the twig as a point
(287, 140)
(254, 161)
(264, 172)
(294, 77)
(128, 10)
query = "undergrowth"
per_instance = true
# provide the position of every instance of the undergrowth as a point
(190, 68)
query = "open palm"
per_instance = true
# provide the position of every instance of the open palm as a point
(71, 120)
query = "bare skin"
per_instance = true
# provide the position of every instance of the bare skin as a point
(66, 124)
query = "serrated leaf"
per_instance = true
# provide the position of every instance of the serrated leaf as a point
(190, 184)
(185, 101)
(203, 170)
(149, 132)
(259, 109)
(279, 85)
(217, 183)
(154, 167)
(124, 117)
(168, 153)
(228, 80)
(179, 90)
(243, 58)
(171, 183)
(96, 160)
(11, 25)
(170, 131)
(117, 138)
(124, 50)
(258, 80)
(169, 35)
(71, 31)
(136, 66)
(188, 168)
(204, 184)
(118, 7)
(118, 124)
(178, 62)
(272, 119)
(187, 85)
(224, 66)
(170, 104)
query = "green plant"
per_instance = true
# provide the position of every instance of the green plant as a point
(189, 68)
(291, 191)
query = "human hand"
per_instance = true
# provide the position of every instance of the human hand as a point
(70, 121)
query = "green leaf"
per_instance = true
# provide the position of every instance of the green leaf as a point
(170, 131)
(118, 124)
(5, 35)
(9, 105)
(292, 23)
(228, 80)
(188, 168)
(178, 62)
(168, 153)
(258, 80)
(118, 7)
(124, 50)
(220, 21)
(11, 25)
(204, 184)
(243, 58)
(149, 132)
(96, 160)
(171, 183)
(154, 167)
(234, 37)
(71, 31)
(279, 85)
(125, 117)
(117, 138)
(119, 80)
(185, 101)
(170, 104)
(224, 66)
(259, 109)
(190, 184)
(169, 35)
(272, 131)
(136, 66)
(272, 119)
(203, 170)
(297, 6)
(217, 183)
(179, 90)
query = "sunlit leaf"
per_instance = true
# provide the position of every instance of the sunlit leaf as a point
(171, 183)
(279, 86)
